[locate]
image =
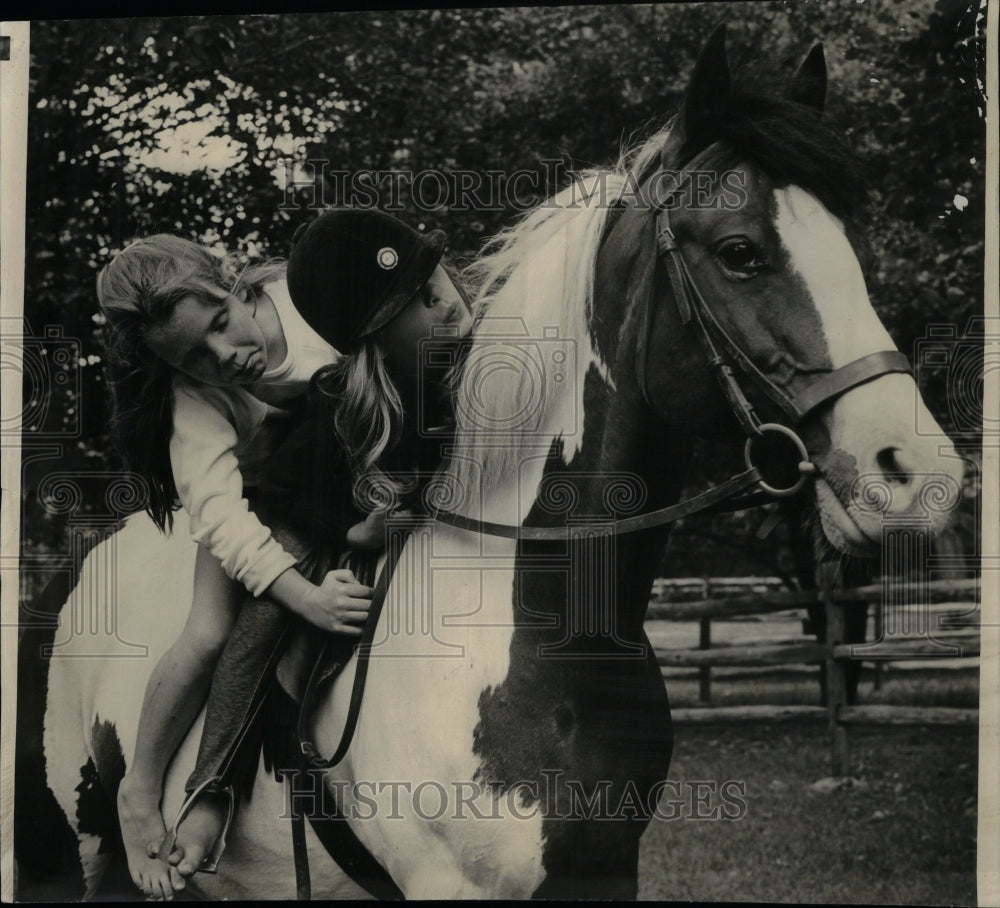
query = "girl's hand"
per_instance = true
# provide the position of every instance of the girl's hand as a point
(338, 604)
(370, 532)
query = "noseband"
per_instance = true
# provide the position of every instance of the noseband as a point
(722, 354)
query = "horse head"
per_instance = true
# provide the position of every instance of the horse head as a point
(736, 241)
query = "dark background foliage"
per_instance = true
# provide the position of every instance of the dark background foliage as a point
(450, 90)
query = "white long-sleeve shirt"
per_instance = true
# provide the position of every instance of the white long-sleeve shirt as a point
(220, 437)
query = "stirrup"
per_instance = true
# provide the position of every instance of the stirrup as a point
(210, 863)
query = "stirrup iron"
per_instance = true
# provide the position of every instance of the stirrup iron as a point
(210, 863)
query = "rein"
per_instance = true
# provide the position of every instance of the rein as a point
(714, 499)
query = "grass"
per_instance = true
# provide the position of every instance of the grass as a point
(904, 835)
(959, 688)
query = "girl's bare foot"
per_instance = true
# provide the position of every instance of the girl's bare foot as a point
(142, 831)
(199, 831)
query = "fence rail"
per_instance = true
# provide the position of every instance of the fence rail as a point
(664, 609)
(753, 654)
(877, 714)
(932, 641)
(748, 713)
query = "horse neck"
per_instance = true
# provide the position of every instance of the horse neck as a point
(595, 453)
(627, 464)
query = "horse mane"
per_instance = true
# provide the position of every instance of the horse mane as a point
(539, 273)
(543, 266)
(790, 142)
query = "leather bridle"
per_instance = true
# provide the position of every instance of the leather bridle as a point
(722, 354)
(794, 407)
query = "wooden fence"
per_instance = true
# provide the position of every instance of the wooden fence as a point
(904, 631)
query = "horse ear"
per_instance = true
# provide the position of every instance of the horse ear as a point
(809, 82)
(708, 91)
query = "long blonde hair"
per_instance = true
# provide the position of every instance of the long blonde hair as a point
(140, 287)
(367, 418)
(364, 408)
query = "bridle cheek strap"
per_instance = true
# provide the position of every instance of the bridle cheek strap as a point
(694, 312)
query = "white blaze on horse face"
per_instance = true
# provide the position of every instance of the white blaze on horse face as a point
(820, 253)
(873, 427)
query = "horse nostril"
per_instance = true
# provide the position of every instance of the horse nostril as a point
(891, 467)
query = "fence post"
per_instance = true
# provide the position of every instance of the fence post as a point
(836, 677)
(705, 672)
(879, 633)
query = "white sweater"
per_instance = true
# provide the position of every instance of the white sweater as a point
(220, 437)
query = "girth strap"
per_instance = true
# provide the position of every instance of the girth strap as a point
(342, 844)
(334, 831)
(300, 853)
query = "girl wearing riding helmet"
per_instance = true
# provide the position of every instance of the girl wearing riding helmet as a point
(376, 290)
(390, 385)
(203, 366)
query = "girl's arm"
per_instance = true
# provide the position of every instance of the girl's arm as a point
(210, 486)
(338, 604)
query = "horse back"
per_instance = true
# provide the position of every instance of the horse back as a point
(86, 652)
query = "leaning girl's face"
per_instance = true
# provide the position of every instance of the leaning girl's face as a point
(212, 340)
(439, 310)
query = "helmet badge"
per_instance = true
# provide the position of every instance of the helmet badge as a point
(387, 258)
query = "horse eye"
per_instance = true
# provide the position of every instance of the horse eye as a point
(741, 256)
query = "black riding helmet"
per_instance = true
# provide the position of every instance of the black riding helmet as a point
(352, 270)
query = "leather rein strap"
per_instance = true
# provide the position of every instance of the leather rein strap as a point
(712, 499)
(363, 651)
(335, 832)
(694, 312)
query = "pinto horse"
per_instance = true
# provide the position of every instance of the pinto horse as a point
(514, 731)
